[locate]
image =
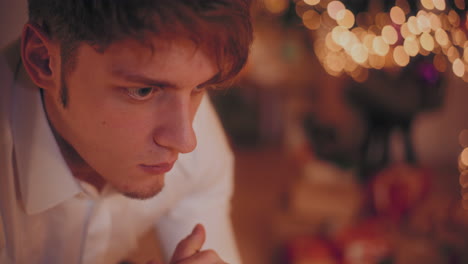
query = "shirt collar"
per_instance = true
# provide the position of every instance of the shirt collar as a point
(44, 177)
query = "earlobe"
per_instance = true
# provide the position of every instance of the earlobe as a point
(39, 54)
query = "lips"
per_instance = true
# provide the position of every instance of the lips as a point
(160, 168)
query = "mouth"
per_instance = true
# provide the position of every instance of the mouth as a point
(157, 169)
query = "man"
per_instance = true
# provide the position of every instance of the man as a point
(99, 130)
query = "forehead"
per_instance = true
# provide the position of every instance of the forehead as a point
(175, 59)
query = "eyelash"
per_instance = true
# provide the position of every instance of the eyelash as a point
(132, 92)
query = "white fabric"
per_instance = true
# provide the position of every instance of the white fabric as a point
(50, 217)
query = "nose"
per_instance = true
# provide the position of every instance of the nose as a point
(175, 130)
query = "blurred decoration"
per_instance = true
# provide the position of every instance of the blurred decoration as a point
(353, 37)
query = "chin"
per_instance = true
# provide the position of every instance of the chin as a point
(142, 190)
(142, 194)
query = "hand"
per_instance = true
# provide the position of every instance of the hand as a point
(188, 251)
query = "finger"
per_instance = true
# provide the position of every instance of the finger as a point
(191, 245)
(203, 257)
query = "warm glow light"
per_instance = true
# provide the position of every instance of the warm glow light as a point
(465, 54)
(428, 4)
(459, 70)
(400, 56)
(435, 21)
(360, 74)
(459, 37)
(390, 35)
(404, 5)
(460, 4)
(424, 24)
(382, 19)
(301, 8)
(350, 65)
(331, 44)
(337, 32)
(444, 21)
(427, 42)
(363, 19)
(453, 54)
(312, 2)
(404, 30)
(397, 15)
(411, 46)
(376, 61)
(440, 63)
(464, 157)
(453, 18)
(369, 42)
(334, 7)
(359, 32)
(311, 19)
(345, 18)
(327, 21)
(439, 4)
(463, 138)
(276, 6)
(441, 37)
(359, 53)
(346, 38)
(413, 25)
(335, 61)
(380, 46)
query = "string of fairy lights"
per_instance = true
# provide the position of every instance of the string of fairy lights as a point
(351, 43)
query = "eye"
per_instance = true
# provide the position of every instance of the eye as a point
(200, 89)
(141, 94)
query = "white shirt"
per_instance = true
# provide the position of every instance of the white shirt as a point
(50, 217)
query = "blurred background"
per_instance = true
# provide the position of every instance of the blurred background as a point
(350, 126)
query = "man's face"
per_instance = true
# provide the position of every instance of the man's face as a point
(130, 111)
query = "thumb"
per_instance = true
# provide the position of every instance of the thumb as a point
(190, 245)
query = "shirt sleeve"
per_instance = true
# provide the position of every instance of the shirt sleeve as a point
(208, 202)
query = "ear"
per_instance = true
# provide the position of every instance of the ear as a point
(40, 57)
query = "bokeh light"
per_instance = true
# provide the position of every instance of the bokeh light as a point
(403, 4)
(442, 37)
(435, 21)
(311, 19)
(440, 63)
(413, 25)
(400, 56)
(464, 157)
(276, 6)
(439, 4)
(397, 15)
(380, 46)
(312, 2)
(427, 42)
(390, 35)
(423, 22)
(453, 18)
(353, 43)
(428, 4)
(459, 70)
(359, 53)
(345, 18)
(453, 54)
(411, 46)
(463, 138)
(460, 4)
(334, 7)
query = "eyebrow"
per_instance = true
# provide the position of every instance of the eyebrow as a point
(137, 78)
